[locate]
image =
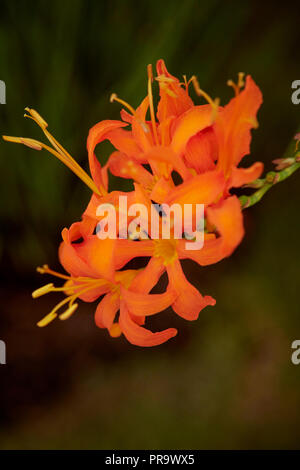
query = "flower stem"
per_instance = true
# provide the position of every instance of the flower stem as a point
(271, 178)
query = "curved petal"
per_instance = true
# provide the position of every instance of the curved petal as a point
(228, 218)
(128, 249)
(96, 135)
(189, 302)
(123, 141)
(174, 99)
(99, 255)
(234, 124)
(166, 155)
(120, 165)
(147, 278)
(107, 310)
(141, 304)
(201, 151)
(141, 336)
(241, 176)
(70, 259)
(201, 189)
(91, 258)
(190, 123)
(140, 130)
(162, 189)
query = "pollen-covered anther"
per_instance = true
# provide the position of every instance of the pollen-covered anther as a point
(240, 83)
(47, 319)
(34, 144)
(37, 117)
(68, 313)
(43, 290)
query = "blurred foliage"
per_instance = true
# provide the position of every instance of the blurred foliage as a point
(227, 380)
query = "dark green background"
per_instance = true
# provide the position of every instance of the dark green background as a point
(227, 380)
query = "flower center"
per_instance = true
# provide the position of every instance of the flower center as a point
(165, 249)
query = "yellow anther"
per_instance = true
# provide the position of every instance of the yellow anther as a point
(46, 320)
(37, 117)
(34, 144)
(237, 86)
(241, 81)
(42, 290)
(68, 313)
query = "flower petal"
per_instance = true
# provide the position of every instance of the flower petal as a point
(140, 130)
(189, 302)
(128, 249)
(201, 189)
(201, 151)
(234, 123)
(120, 165)
(188, 124)
(123, 141)
(146, 279)
(147, 304)
(228, 218)
(96, 135)
(241, 176)
(165, 155)
(107, 310)
(174, 99)
(99, 255)
(140, 336)
(70, 259)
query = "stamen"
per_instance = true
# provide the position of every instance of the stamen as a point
(36, 117)
(241, 81)
(42, 290)
(114, 97)
(68, 313)
(214, 103)
(58, 151)
(150, 95)
(46, 320)
(34, 144)
(39, 146)
(201, 92)
(46, 270)
(237, 86)
(185, 82)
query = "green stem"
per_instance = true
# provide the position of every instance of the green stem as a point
(271, 178)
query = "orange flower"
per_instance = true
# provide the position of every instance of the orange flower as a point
(204, 145)
(88, 264)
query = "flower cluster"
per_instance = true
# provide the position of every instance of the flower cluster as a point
(179, 153)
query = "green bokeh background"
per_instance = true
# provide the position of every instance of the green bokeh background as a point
(226, 381)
